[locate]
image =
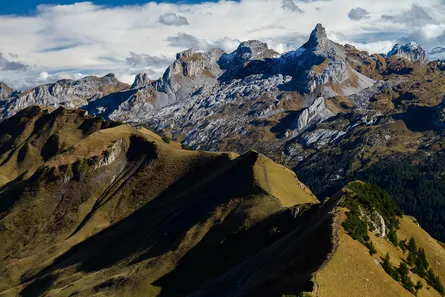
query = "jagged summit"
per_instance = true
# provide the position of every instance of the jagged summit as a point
(410, 51)
(5, 91)
(318, 36)
(141, 80)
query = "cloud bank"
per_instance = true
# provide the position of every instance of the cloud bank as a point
(65, 40)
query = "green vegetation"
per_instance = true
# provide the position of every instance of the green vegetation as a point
(420, 266)
(400, 274)
(417, 187)
(366, 197)
(371, 198)
(185, 147)
(374, 198)
(392, 236)
(166, 139)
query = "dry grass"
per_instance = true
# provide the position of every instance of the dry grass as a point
(353, 272)
(321, 67)
(281, 183)
(339, 104)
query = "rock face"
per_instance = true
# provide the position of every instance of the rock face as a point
(5, 91)
(410, 51)
(141, 80)
(317, 112)
(68, 93)
(204, 97)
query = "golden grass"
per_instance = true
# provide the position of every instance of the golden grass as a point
(353, 272)
(339, 104)
(321, 67)
(281, 183)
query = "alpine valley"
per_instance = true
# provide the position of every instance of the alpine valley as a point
(316, 172)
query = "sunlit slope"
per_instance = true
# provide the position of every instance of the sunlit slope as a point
(107, 209)
(353, 271)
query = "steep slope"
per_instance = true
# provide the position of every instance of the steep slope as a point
(115, 210)
(315, 109)
(111, 210)
(361, 270)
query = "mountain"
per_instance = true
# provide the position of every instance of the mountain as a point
(437, 53)
(331, 112)
(5, 91)
(410, 51)
(68, 93)
(94, 207)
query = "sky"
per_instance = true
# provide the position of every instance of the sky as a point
(41, 42)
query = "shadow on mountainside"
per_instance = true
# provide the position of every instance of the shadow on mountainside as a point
(244, 233)
(161, 224)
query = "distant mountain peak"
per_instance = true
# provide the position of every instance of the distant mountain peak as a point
(411, 51)
(141, 80)
(437, 50)
(319, 33)
(5, 91)
(437, 53)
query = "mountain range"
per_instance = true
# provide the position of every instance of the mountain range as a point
(108, 189)
(92, 207)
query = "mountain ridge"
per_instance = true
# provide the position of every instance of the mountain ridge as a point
(116, 210)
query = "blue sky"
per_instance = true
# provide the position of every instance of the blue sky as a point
(63, 39)
(24, 7)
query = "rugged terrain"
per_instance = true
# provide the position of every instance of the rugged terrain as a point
(331, 112)
(92, 207)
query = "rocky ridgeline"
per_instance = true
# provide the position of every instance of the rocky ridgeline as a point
(204, 98)
(67, 93)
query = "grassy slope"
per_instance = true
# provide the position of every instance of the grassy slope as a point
(362, 275)
(282, 183)
(132, 226)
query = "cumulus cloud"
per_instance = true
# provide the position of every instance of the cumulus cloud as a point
(357, 14)
(172, 19)
(415, 16)
(291, 6)
(88, 38)
(29, 79)
(145, 61)
(7, 65)
(186, 41)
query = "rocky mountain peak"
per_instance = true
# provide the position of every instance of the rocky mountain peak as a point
(252, 49)
(184, 54)
(141, 80)
(110, 75)
(319, 33)
(318, 38)
(5, 91)
(410, 51)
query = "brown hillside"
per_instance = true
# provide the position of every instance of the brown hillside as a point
(106, 209)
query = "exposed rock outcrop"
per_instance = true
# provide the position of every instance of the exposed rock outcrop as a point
(67, 93)
(314, 113)
(410, 51)
(5, 91)
(141, 80)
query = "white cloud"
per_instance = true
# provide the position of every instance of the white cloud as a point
(357, 14)
(172, 19)
(93, 39)
(415, 16)
(291, 6)
(6, 65)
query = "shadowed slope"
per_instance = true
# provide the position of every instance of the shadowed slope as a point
(116, 210)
